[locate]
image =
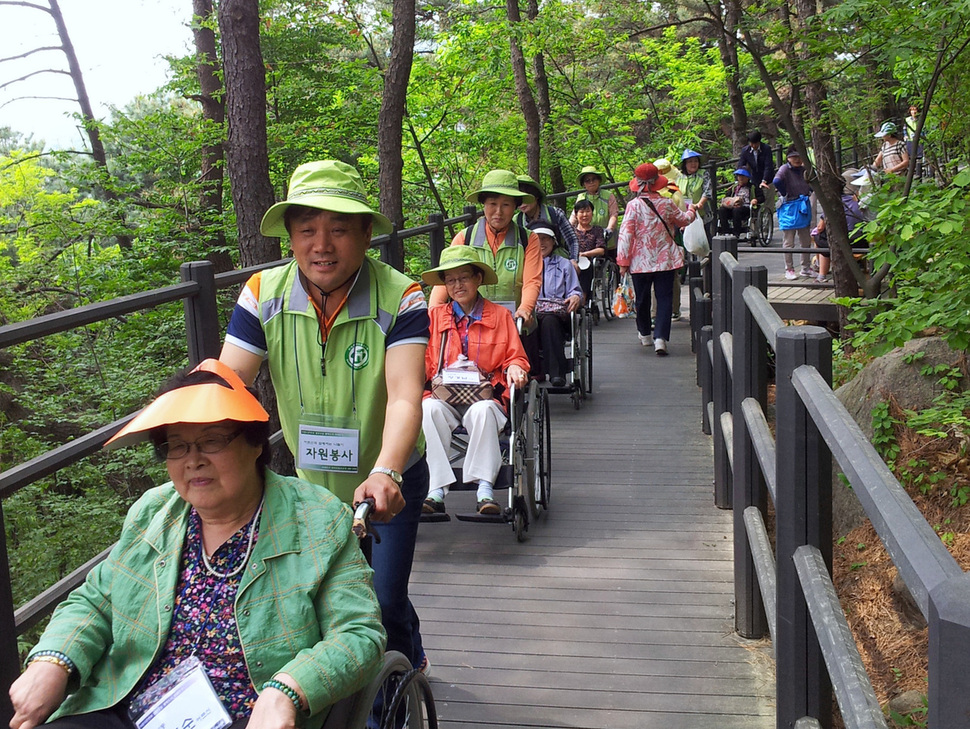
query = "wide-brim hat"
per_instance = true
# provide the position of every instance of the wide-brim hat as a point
(663, 165)
(204, 402)
(526, 181)
(647, 177)
(500, 182)
(326, 185)
(454, 257)
(589, 170)
(887, 129)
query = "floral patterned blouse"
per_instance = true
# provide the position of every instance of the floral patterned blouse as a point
(590, 239)
(204, 621)
(645, 245)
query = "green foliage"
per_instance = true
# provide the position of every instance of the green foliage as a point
(914, 718)
(884, 433)
(926, 241)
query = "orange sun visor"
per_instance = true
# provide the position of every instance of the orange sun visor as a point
(207, 402)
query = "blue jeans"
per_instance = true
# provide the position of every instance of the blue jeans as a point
(663, 285)
(391, 560)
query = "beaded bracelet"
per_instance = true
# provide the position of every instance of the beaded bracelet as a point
(55, 657)
(290, 692)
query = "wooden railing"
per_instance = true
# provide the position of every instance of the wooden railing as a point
(788, 591)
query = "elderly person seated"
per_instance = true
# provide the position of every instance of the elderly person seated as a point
(560, 296)
(242, 593)
(471, 338)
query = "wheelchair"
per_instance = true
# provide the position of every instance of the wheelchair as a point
(405, 700)
(526, 471)
(579, 358)
(761, 224)
(606, 277)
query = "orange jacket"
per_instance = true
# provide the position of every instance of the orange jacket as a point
(493, 344)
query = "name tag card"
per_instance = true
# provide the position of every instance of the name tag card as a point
(188, 701)
(460, 377)
(323, 448)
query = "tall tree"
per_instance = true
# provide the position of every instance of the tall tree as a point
(214, 116)
(390, 121)
(246, 150)
(527, 102)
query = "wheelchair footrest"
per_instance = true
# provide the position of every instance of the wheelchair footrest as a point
(482, 518)
(434, 518)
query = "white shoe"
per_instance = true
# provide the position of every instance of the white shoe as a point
(644, 340)
(790, 274)
(806, 272)
(661, 346)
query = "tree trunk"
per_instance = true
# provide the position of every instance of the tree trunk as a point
(544, 107)
(247, 161)
(246, 153)
(90, 123)
(728, 47)
(213, 114)
(391, 119)
(530, 112)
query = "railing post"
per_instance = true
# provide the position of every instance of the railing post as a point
(803, 509)
(9, 655)
(705, 371)
(949, 653)
(722, 380)
(750, 380)
(436, 239)
(392, 252)
(201, 314)
(470, 212)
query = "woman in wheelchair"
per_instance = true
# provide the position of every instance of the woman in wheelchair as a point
(560, 296)
(592, 243)
(474, 347)
(232, 592)
(736, 208)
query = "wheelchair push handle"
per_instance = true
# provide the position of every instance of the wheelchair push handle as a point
(362, 526)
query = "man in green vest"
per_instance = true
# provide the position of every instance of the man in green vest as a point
(605, 207)
(345, 337)
(530, 212)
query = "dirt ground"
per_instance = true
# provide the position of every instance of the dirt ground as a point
(891, 635)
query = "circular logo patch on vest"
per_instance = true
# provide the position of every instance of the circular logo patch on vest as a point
(511, 264)
(357, 356)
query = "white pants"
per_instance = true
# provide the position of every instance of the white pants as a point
(484, 421)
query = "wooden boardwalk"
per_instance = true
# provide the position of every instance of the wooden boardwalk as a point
(618, 610)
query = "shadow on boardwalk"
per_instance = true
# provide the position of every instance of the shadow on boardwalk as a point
(618, 611)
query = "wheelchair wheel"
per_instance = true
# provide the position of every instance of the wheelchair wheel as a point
(411, 705)
(584, 352)
(610, 280)
(400, 696)
(765, 225)
(544, 458)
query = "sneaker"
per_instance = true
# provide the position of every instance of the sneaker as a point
(433, 506)
(661, 346)
(558, 381)
(489, 506)
(822, 278)
(806, 272)
(645, 340)
(425, 665)
(790, 274)
(675, 316)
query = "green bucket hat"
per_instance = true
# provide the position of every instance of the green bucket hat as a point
(589, 170)
(455, 257)
(525, 180)
(325, 185)
(501, 182)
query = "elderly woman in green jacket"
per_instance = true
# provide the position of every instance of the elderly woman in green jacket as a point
(245, 590)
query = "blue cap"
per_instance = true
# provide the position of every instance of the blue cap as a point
(688, 154)
(742, 171)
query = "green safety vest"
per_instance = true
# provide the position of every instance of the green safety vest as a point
(354, 361)
(601, 207)
(508, 262)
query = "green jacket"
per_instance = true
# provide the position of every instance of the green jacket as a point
(305, 605)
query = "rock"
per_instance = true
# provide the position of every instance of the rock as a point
(906, 703)
(889, 374)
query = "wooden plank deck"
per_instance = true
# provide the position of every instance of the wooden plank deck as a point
(618, 610)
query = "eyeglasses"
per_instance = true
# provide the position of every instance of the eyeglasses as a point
(456, 280)
(174, 450)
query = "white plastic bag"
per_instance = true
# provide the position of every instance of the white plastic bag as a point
(695, 238)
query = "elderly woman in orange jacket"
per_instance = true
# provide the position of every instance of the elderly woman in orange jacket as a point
(472, 331)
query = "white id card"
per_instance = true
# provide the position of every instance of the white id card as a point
(460, 377)
(325, 448)
(187, 701)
